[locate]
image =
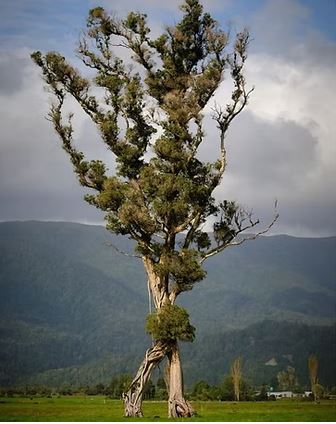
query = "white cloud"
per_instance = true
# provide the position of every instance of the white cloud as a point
(296, 92)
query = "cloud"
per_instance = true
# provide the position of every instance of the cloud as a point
(36, 179)
(11, 73)
(156, 7)
(281, 146)
(284, 145)
(278, 26)
(41, 24)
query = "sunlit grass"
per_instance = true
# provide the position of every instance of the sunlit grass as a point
(98, 408)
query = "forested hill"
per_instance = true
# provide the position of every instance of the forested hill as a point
(71, 304)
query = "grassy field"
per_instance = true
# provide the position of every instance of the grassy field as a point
(97, 408)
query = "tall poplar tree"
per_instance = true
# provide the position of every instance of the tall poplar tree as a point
(313, 368)
(161, 199)
(236, 374)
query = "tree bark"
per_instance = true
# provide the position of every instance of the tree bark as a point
(177, 405)
(133, 397)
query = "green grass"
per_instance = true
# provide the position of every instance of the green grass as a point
(97, 408)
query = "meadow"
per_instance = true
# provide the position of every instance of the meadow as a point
(99, 408)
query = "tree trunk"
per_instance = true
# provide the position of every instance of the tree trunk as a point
(177, 405)
(133, 397)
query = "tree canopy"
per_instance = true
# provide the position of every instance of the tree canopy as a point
(159, 112)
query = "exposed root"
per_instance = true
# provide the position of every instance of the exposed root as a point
(179, 408)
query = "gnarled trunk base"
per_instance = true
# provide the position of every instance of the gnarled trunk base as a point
(133, 397)
(178, 408)
(177, 405)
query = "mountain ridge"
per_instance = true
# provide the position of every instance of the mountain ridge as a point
(69, 300)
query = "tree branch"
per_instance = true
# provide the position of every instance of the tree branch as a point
(230, 241)
(109, 244)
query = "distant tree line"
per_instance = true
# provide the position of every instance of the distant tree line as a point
(233, 387)
(226, 390)
(113, 390)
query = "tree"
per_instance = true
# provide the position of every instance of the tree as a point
(201, 390)
(226, 388)
(313, 368)
(262, 395)
(150, 116)
(204, 391)
(161, 389)
(287, 379)
(236, 374)
(318, 391)
(118, 385)
(149, 392)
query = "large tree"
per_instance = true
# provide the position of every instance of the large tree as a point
(161, 194)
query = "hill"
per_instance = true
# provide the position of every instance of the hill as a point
(71, 304)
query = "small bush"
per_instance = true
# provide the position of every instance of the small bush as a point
(171, 322)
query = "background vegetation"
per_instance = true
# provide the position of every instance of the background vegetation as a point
(61, 321)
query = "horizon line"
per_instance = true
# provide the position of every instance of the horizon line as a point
(102, 224)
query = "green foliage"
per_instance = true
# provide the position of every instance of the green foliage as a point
(204, 391)
(149, 392)
(223, 391)
(262, 395)
(119, 385)
(183, 267)
(171, 322)
(226, 388)
(319, 391)
(161, 389)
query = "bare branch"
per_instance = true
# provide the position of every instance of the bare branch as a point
(230, 242)
(224, 120)
(109, 244)
(254, 236)
(239, 99)
(190, 220)
(191, 232)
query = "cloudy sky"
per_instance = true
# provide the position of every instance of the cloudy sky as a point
(282, 147)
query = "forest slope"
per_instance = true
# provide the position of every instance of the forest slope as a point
(68, 301)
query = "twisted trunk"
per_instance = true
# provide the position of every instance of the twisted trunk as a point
(154, 355)
(177, 405)
(133, 397)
